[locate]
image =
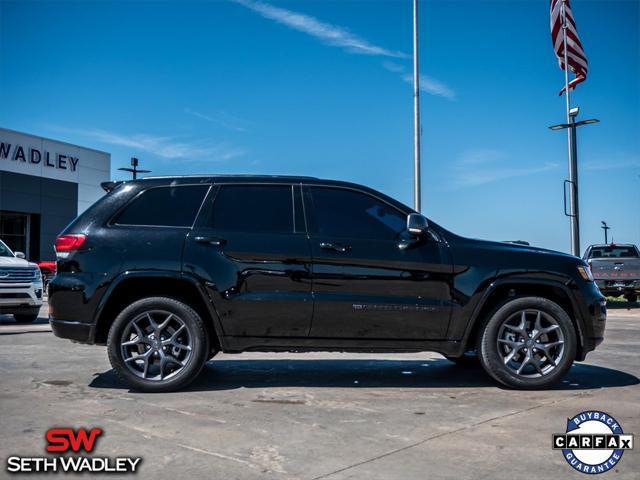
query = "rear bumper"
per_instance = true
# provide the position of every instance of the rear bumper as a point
(621, 287)
(74, 331)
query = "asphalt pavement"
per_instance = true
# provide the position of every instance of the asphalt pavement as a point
(316, 415)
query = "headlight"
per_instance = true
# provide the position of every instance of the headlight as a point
(585, 273)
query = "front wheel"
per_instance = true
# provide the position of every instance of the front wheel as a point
(158, 344)
(633, 298)
(528, 343)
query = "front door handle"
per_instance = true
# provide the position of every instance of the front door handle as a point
(218, 242)
(336, 247)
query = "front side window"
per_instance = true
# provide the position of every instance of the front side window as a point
(164, 207)
(348, 213)
(253, 209)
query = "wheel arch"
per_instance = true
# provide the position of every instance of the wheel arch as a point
(501, 290)
(132, 286)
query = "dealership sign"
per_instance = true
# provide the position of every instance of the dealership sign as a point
(19, 154)
(67, 444)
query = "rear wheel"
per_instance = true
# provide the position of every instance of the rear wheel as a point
(632, 298)
(158, 344)
(528, 343)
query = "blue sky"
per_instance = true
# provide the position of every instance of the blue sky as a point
(320, 88)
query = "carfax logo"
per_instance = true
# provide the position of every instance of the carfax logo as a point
(593, 443)
(67, 440)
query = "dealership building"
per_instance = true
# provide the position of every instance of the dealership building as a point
(44, 184)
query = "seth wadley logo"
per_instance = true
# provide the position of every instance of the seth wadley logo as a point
(66, 440)
(593, 442)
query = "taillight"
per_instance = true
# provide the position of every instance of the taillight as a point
(69, 243)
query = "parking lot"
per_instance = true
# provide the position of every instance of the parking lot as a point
(311, 416)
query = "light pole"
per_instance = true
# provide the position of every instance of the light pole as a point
(574, 210)
(134, 170)
(605, 227)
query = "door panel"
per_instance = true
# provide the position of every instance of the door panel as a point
(259, 280)
(369, 287)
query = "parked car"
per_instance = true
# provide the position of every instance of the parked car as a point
(616, 269)
(169, 271)
(20, 286)
(48, 270)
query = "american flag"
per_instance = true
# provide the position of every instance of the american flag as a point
(575, 53)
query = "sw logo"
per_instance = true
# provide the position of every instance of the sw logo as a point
(593, 442)
(65, 439)
(69, 441)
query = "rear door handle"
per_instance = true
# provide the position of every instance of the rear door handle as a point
(218, 242)
(336, 247)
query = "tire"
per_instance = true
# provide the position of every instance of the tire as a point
(467, 360)
(543, 364)
(150, 364)
(25, 317)
(631, 298)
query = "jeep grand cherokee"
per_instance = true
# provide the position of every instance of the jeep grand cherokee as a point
(169, 271)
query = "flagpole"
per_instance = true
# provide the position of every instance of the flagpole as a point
(416, 113)
(566, 65)
(571, 146)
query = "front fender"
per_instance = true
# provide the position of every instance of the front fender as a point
(524, 283)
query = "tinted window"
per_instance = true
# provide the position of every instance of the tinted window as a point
(253, 209)
(164, 206)
(346, 213)
(613, 252)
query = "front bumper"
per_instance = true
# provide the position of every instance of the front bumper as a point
(594, 316)
(16, 298)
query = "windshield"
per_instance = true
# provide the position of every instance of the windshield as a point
(614, 252)
(4, 250)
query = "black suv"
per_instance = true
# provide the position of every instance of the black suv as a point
(169, 271)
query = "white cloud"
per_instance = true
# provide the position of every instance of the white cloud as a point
(199, 115)
(162, 146)
(393, 67)
(330, 34)
(221, 118)
(427, 84)
(432, 86)
(481, 166)
(481, 156)
(612, 163)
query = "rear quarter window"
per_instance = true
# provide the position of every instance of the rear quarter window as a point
(164, 207)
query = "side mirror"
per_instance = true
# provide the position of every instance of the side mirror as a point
(417, 224)
(20, 255)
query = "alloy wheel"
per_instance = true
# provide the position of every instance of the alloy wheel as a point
(531, 343)
(156, 345)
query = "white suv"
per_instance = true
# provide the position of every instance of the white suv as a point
(20, 286)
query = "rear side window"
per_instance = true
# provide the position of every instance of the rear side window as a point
(164, 206)
(347, 213)
(253, 209)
